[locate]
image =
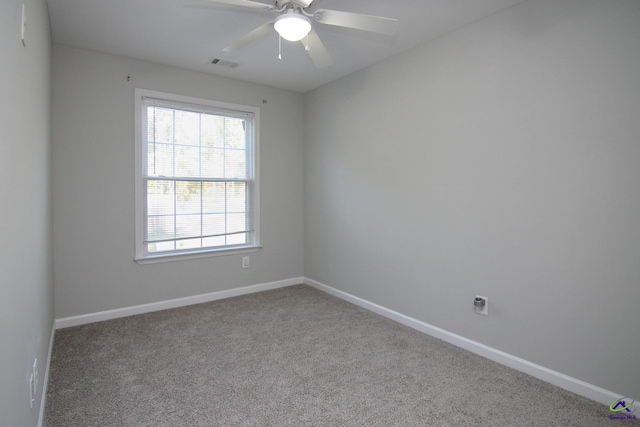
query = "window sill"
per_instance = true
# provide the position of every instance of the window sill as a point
(156, 259)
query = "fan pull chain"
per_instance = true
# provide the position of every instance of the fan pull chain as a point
(279, 47)
(306, 45)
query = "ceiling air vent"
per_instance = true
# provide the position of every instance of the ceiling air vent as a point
(224, 63)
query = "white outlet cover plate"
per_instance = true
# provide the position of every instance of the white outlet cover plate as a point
(35, 376)
(484, 310)
(32, 391)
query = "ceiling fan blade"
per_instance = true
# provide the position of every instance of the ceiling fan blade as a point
(250, 37)
(317, 51)
(246, 3)
(358, 21)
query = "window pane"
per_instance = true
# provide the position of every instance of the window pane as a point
(189, 244)
(187, 161)
(212, 130)
(188, 226)
(213, 224)
(159, 159)
(236, 197)
(213, 197)
(160, 124)
(235, 164)
(187, 128)
(188, 199)
(212, 163)
(237, 239)
(235, 135)
(161, 246)
(236, 222)
(210, 242)
(160, 227)
(160, 198)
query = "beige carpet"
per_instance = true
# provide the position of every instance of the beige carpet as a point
(289, 357)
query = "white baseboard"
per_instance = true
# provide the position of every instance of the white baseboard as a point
(45, 380)
(556, 378)
(83, 319)
(566, 382)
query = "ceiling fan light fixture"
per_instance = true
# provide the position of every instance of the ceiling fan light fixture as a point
(292, 26)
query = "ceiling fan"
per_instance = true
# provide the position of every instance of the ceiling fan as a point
(293, 23)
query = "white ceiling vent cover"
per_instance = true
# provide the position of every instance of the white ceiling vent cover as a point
(224, 63)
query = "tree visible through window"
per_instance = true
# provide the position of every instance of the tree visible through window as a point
(198, 177)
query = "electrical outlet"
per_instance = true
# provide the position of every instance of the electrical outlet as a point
(35, 376)
(32, 393)
(23, 25)
(246, 261)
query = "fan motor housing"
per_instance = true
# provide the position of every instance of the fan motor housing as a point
(301, 3)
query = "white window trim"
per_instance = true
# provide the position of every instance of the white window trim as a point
(141, 256)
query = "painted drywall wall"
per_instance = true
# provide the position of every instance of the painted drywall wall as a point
(502, 160)
(26, 285)
(93, 170)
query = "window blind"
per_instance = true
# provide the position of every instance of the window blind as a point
(198, 176)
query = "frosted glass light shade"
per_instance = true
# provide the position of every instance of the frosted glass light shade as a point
(292, 26)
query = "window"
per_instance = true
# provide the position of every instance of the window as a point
(196, 177)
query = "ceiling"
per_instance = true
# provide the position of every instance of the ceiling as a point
(190, 33)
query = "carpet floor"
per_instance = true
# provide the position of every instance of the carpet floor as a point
(289, 357)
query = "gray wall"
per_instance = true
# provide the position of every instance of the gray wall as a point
(26, 290)
(500, 160)
(93, 183)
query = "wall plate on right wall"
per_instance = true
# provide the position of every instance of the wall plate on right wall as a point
(481, 304)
